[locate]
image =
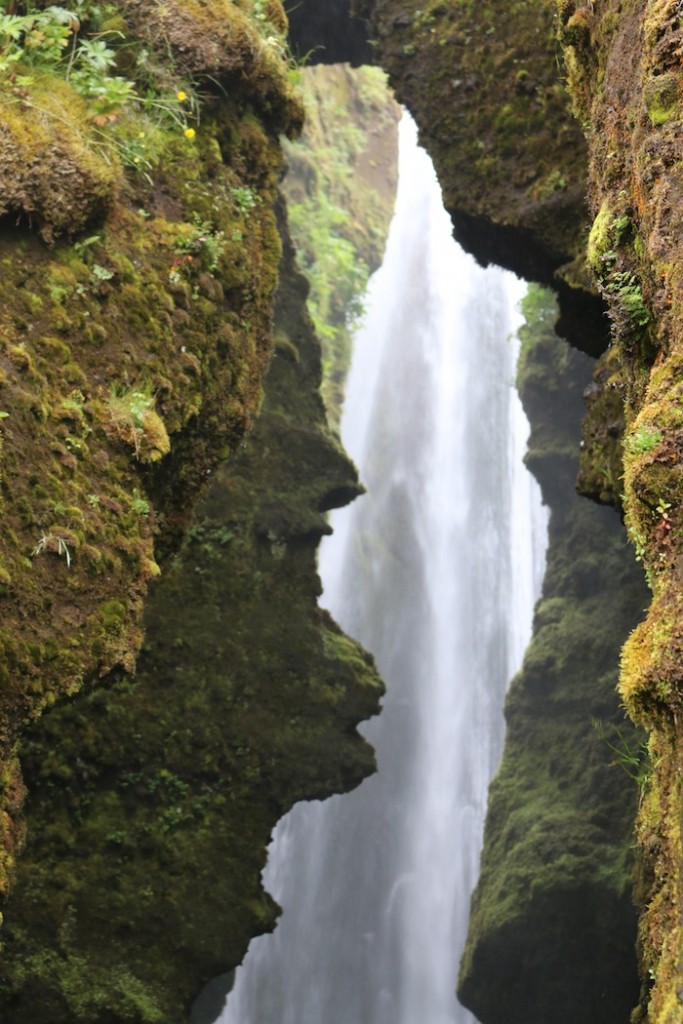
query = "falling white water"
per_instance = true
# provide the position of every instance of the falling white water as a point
(435, 571)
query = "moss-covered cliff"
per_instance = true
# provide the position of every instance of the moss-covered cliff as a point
(152, 800)
(554, 896)
(139, 253)
(132, 361)
(484, 83)
(624, 63)
(120, 343)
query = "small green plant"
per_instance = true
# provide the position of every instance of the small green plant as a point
(643, 440)
(627, 306)
(101, 273)
(202, 248)
(50, 39)
(71, 44)
(139, 504)
(245, 198)
(133, 420)
(35, 37)
(664, 522)
(89, 72)
(271, 35)
(75, 445)
(632, 757)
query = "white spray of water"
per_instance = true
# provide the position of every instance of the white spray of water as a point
(435, 571)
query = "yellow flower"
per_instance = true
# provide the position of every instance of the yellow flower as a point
(180, 96)
(189, 133)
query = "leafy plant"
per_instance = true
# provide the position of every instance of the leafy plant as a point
(245, 199)
(140, 505)
(101, 273)
(643, 440)
(37, 37)
(629, 310)
(133, 420)
(201, 244)
(54, 39)
(49, 38)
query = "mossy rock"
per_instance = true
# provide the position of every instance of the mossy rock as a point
(51, 172)
(154, 798)
(554, 893)
(95, 299)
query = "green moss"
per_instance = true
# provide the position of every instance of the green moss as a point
(630, 95)
(662, 98)
(483, 82)
(101, 310)
(113, 615)
(556, 861)
(49, 147)
(245, 699)
(340, 190)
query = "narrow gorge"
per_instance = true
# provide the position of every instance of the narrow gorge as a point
(375, 885)
(170, 682)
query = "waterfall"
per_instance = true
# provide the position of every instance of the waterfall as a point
(435, 571)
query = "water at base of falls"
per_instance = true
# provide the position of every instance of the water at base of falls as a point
(435, 571)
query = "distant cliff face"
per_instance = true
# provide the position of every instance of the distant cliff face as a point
(340, 190)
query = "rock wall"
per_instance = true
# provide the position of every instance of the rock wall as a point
(120, 343)
(553, 925)
(140, 255)
(619, 63)
(162, 735)
(152, 800)
(623, 63)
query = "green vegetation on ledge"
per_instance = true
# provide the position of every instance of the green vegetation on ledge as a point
(340, 187)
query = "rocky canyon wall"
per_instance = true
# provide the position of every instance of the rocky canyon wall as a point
(141, 253)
